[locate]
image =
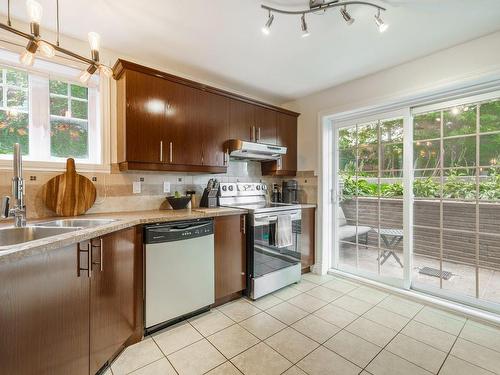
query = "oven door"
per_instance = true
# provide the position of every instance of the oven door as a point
(265, 258)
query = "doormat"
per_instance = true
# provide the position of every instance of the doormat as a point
(429, 271)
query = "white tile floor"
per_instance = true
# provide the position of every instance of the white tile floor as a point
(323, 325)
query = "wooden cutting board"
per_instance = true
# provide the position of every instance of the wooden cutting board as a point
(69, 194)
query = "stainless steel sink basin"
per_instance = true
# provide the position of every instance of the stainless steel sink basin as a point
(73, 223)
(14, 236)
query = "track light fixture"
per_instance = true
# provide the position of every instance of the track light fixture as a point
(267, 27)
(48, 49)
(320, 7)
(382, 26)
(347, 17)
(305, 31)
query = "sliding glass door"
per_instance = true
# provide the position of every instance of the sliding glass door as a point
(369, 202)
(456, 210)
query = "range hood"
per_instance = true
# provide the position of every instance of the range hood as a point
(238, 149)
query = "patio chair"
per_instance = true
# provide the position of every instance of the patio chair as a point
(347, 231)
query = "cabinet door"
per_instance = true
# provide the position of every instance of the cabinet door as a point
(214, 125)
(307, 238)
(241, 120)
(182, 131)
(112, 295)
(230, 255)
(44, 315)
(145, 117)
(265, 123)
(287, 136)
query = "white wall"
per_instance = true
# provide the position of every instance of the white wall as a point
(465, 61)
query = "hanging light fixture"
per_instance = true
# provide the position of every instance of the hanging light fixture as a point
(382, 26)
(347, 17)
(321, 7)
(305, 31)
(267, 27)
(47, 49)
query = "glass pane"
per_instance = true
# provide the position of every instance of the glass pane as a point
(392, 156)
(489, 273)
(69, 138)
(427, 126)
(460, 184)
(426, 154)
(426, 213)
(459, 216)
(460, 120)
(17, 99)
(17, 78)
(79, 92)
(490, 116)
(13, 129)
(460, 152)
(347, 161)
(58, 106)
(367, 159)
(391, 131)
(79, 109)
(425, 254)
(368, 134)
(489, 150)
(58, 87)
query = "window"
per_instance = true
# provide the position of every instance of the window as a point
(49, 114)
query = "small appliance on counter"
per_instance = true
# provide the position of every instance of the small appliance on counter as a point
(290, 192)
(209, 197)
(276, 194)
(178, 202)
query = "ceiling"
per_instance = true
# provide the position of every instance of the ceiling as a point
(221, 41)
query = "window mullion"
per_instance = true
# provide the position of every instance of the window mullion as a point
(39, 118)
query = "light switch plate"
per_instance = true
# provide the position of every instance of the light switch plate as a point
(166, 187)
(136, 187)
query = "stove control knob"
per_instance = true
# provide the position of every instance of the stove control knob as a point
(264, 187)
(224, 188)
(230, 187)
(258, 187)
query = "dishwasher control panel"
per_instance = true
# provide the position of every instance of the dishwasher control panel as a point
(178, 230)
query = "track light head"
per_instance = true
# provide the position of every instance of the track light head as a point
(303, 24)
(86, 74)
(267, 27)
(382, 26)
(28, 55)
(347, 17)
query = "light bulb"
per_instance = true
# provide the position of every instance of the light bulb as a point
(35, 11)
(106, 70)
(94, 41)
(84, 76)
(46, 49)
(27, 58)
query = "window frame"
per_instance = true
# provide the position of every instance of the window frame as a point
(39, 75)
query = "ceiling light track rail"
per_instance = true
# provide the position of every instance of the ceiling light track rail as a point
(325, 6)
(48, 49)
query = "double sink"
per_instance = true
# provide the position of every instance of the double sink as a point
(12, 236)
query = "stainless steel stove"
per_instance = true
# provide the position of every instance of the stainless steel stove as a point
(269, 267)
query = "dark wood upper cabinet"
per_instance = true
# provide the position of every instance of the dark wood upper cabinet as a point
(230, 256)
(112, 295)
(170, 123)
(265, 125)
(44, 315)
(286, 130)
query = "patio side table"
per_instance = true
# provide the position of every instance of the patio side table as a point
(391, 238)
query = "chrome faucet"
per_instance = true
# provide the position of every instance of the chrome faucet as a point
(19, 210)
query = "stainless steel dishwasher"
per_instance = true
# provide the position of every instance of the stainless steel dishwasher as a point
(179, 271)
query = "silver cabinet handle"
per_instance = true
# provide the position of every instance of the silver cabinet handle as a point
(258, 134)
(171, 151)
(100, 263)
(226, 157)
(252, 135)
(79, 250)
(279, 162)
(161, 150)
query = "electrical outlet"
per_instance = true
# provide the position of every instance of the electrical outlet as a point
(136, 187)
(166, 187)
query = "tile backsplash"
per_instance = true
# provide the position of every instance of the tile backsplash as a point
(114, 191)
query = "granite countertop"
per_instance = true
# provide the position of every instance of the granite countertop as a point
(124, 220)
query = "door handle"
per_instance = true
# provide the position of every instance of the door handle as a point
(100, 263)
(161, 150)
(79, 250)
(171, 151)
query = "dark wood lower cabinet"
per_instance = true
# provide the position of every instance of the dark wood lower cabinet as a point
(44, 315)
(58, 321)
(307, 238)
(112, 295)
(230, 257)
